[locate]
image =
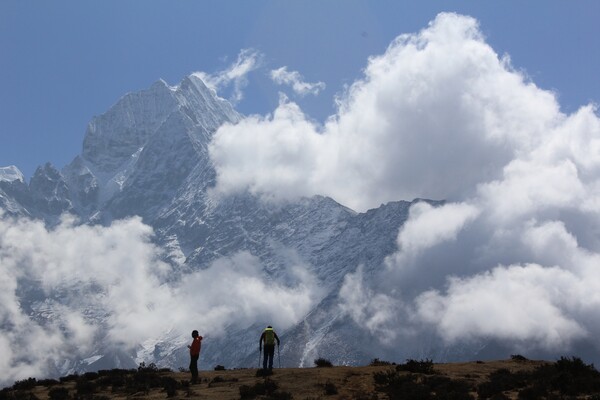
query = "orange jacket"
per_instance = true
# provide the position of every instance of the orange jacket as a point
(195, 347)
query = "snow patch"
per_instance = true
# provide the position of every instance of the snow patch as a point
(91, 360)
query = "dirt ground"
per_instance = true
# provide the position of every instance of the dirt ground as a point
(304, 383)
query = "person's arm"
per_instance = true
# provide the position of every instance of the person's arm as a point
(260, 341)
(276, 337)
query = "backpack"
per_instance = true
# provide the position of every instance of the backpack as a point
(269, 337)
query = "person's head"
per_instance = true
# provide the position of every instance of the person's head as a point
(194, 334)
(269, 327)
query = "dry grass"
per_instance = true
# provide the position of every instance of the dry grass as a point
(302, 383)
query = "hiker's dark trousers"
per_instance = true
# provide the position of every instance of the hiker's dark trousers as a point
(194, 367)
(269, 353)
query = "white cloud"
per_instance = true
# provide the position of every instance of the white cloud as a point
(449, 274)
(514, 257)
(280, 140)
(239, 290)
(109, 281)
(434, 116)
(282, 76)
(428, 226)
(247, 61)
(377, 312)
(525, 188)
(527, 304)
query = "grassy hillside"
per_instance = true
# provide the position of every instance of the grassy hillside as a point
(517, 378)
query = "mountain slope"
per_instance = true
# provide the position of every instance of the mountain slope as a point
(148, 156)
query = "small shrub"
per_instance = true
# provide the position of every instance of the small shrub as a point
(279, 395)
(25, 384)
(58, 393)
(384, 377)
(170, 386)
(502, 380)
(323, 363)
(264, 372)
(399, 385)
(446, 388)
(268, 387)
(330, 388)
(220, 379)
(518, 357)
(115, 372)
(215, 380)
(219, 368)
(147, 368)
(69, 378)
(116, 381)
(418, 367)
(572, 376)
(23, 395)
(247, 392)
(405, 387)
(90, 376)
(376, 362)
(532, 393)
(142, 380)
(48, 382)
(85, 387)
(572, 364)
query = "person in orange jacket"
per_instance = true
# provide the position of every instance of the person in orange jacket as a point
(195, 355)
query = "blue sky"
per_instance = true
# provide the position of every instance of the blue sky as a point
(63, 62)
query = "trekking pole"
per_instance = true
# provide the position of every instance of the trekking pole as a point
(259, 354)
(278, 356)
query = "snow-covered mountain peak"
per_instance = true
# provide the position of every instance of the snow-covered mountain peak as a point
(113, 137)
(203, 105)
(11, 174)
(162, 84)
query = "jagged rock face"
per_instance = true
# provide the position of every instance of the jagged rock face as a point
(148, 156)
(84, 186)
(49, 192)
(13, 191)
(113, 137)
(13, 196)
(138, 154)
